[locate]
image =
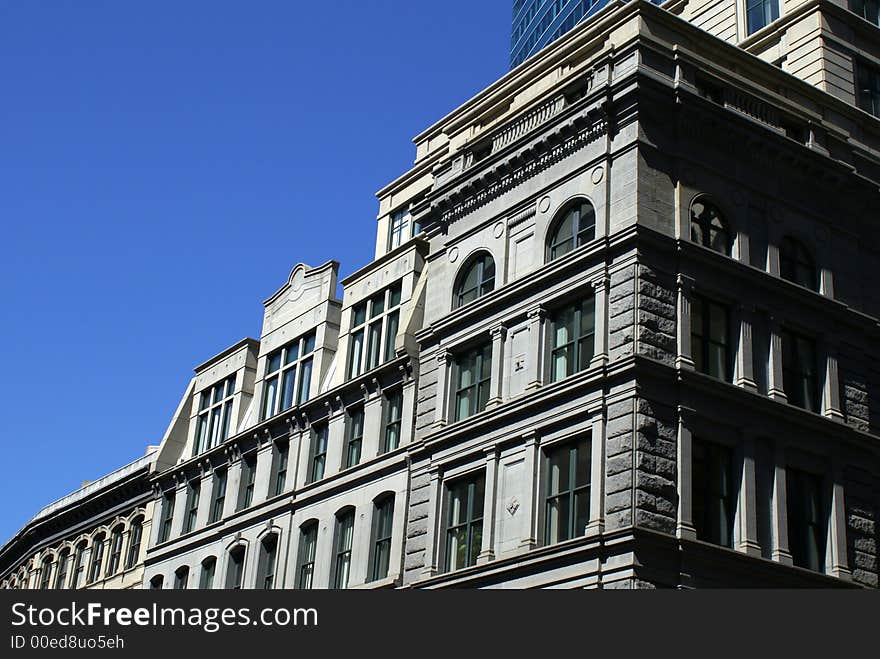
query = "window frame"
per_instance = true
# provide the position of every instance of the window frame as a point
(167, 520)
(810, 386)
(267, 562)
(181, 578)
(96, 560)
(392, 426)
(795, 480)
(62, 571)
(307, 553)
(247, 482)
(708, 232)
(117, 541)
(218, 494)
(573, 446)
(135, 538)
(280, 465)
(571, 213)
(213, 421)
(235, 567)
(484, 285)
(578, 309)
(481, 355)
(374, 324)
(476, 483)
(193, 494)
(701, 310)
(381, 545)
(704, 525)
(343, 548)
(797, 265)
(318, 451)
(750, 5)
(206, 577)
(354, 442)
(295, 365)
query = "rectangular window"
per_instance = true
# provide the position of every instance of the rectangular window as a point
(393, 415)
(464, 521)
(473, 375)
(354, 437)
(193, 492)
(344, 542)
(206, 580)
(235, 572)
(713, 494)
(218, 496)
(308, 543)
(319, 452)
(398, 229)
(383, 521)
(799, 373)
(214, 421)
(867, 9)
(288, 377)
(266, 568)
(279, 467)
(710, 338)
(167, 516)
(246, 485)
(806, 519)
(97, 559)
(868, 86)
(374, 326)
(567, 498)
(572, 330)
(760, 13)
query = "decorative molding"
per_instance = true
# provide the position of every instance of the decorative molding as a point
(518, 218)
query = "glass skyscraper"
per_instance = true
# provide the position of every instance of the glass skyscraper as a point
(538, 22)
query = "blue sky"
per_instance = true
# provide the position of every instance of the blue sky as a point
(163, 166)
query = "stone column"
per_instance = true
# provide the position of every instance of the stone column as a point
(335, 440)
(745, 363)
(531, 463)
(264, 488)
(600, 286)
(775, 386)
(536, 317)
(831, 382)
(206, 498)
(837, 563)
(498, 333)
(233, 479)
(685, 525)
(685, 288)
(747, 512)
(487, 551)
(596, 523)
(781, 553)
(441, 408)
(435, 524)
(180, 496)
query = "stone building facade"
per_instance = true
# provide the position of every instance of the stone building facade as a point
(617, 333)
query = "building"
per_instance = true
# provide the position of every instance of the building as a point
(616, 334)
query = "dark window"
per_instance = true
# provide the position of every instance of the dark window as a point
(246, 486)
(796, 265)
(45, 574)
(61, 572)
(712, 497)
(319, 452)
(279, 467)
(393, 414)
(193, 493)
(79, 565)
(867, 9)
(572, 331)
(235, 571)
(477, 279)
(218, 496)
(288, 375)
(209, 567)
(97, 559)
(308, 543)
(157, 582)
(806, 519)
(135, 534)
(760, 13)
(573, 227)
(567, 499)
(710, 338)
(383, 521)
(868, 88)
(708, 227)
(181, 578)
(799, 375)
(214, 422)
(473, 376)
(354, 437)
(464, 521)
(116, 540)
(167, 516)
(344, 542)
(266, 568)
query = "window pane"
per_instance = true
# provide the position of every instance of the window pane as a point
(390, 335)
(274, 362)
(287, 387)
(355, 356)
(305, 380)
(269, 397)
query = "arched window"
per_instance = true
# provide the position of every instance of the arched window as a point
(266, 565)
(45, 573)
(383, 522)
(115, 550)
(181, 578)
(308, 542)
(79, 565)
(136, 531)
(709, 228)
(343, 544)
(574, 226)
(209, 567)
(157, 582)
(476, 279)
(61, 572)
(796, 265)
(235, 569)
(97, 558)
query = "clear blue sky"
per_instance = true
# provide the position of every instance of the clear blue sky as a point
(163, 166)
